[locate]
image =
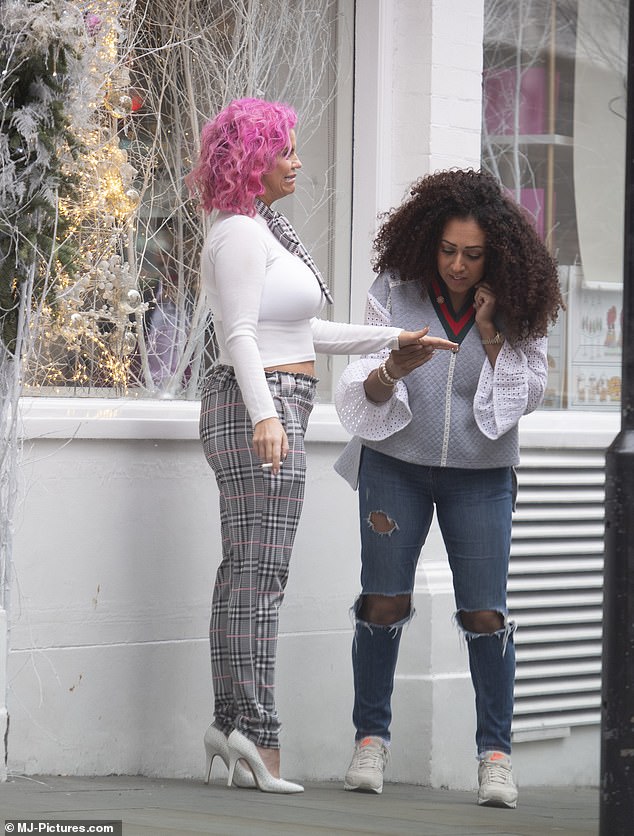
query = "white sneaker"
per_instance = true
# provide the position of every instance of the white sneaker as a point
(495, 778)
(369, 759)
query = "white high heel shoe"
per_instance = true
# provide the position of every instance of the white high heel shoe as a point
(216, 746)
(240, 747)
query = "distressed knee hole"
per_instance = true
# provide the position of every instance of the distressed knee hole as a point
(380, 523)
(481, 622)
(490, 629)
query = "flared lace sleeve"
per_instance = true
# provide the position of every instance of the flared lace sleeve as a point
(359, 415)
(514, 387)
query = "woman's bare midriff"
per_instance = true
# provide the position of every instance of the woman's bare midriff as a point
(294, 368)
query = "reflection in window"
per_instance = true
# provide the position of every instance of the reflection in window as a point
(191, 59)
(135, 322)
(554, 134)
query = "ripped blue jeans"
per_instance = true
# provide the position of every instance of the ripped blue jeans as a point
(474, 508)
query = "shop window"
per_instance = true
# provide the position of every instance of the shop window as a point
(554, 134)
(136, 324)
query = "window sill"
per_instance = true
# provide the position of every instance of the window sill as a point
(97, 418)
(101, 418)
(571, 429)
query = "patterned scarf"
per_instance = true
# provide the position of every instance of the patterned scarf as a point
(286, 235)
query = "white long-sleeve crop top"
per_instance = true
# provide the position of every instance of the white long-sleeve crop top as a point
(265, 303)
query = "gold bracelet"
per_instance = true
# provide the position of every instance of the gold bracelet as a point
(497, 340)
(384, 382)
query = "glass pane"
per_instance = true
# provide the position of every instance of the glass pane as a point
(135, 322)
(554, 134)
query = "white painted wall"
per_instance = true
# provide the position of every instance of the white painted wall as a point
(4, 713)
(116, 546)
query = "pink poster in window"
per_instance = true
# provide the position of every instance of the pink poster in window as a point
(500, 94)
(534, 201)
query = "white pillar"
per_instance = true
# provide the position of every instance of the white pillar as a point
(372, 149)
(418, 104)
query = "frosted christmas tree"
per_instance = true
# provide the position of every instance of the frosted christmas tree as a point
(68, 200)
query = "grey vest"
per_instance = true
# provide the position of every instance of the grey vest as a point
(443, 431)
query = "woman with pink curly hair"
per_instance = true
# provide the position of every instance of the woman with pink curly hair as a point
(265, 293)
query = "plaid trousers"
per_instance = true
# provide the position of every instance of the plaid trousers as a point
(259, 514)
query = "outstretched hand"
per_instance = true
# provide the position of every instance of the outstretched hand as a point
(406, 338)
(416, 348)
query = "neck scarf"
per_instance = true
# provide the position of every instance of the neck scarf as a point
(286, 235)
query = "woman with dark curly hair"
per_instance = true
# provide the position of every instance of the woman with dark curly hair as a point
(460, 255)
(266, 293)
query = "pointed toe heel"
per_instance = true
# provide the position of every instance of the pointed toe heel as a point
(216, 747)
(241, 748)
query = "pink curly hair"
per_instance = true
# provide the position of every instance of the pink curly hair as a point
(237, 147)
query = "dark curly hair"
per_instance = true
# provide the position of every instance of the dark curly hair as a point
(518, 267)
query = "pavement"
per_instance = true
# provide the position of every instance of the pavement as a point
(158, 807)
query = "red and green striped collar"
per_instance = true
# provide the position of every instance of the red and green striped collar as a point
(455, 323)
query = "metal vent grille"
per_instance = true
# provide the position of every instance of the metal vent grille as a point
(555, 591)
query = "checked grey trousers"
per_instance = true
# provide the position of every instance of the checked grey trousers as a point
(259, 514)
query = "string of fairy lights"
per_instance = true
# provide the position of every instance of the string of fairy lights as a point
(86, 336)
